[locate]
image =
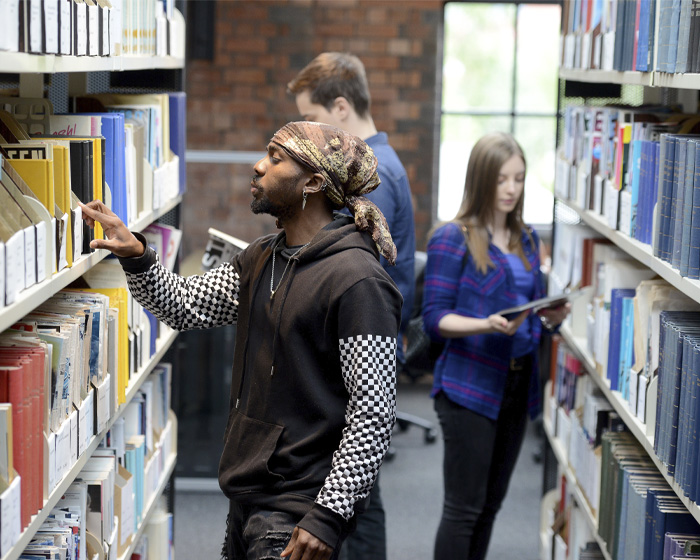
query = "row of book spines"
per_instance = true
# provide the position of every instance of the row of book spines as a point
(657, 186)
(622, 42)
(22, 386)
(617, 527)
(97, 155)
(678, 238)
(675, 441)
(38, 453)
(628, 440)
(90, 28)
(117, 493)
(638, 508)
(676, 35)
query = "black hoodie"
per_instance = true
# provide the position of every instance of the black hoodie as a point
(313, 381)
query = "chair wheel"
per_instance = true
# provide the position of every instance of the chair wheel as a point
(430, 435)
(403, 424)
(390, 454)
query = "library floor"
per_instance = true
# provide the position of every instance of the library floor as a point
(411, 486)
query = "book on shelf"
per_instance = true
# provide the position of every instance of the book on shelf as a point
(165, 240)
(159, 533)
(678, 545)
(30, 206)
(694, 39)
(178, 132)
(99, 474)
(23, 226)
(617, 321)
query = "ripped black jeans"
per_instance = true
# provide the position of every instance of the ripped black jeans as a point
(258, 534)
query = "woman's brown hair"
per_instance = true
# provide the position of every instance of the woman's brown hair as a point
(476, 211)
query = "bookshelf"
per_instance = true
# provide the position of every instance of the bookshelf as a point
(637, 89)
(31, 68)
(561, 455)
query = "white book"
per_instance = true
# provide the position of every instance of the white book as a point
(9, 15)
(51, 26)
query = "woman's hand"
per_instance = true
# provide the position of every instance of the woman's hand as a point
(120, 240)
(499, 324)
(554, 316)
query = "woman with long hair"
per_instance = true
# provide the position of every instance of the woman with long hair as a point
(485, 381)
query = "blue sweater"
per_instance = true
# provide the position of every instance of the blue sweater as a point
(472, 370)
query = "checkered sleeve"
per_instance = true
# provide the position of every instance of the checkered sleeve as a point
(368, 366)
(196, 302)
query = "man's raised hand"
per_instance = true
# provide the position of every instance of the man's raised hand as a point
(120, 240)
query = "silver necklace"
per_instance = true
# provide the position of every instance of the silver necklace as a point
(273, 290)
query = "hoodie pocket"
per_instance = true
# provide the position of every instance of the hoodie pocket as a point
(249, 445)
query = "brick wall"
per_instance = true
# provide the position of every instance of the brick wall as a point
(238, 100)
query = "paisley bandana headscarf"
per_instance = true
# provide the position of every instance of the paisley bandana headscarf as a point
(349, 168)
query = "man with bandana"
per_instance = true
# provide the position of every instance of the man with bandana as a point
(313, 382)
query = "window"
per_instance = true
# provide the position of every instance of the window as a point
(500, 70)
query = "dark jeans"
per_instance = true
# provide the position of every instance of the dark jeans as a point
(256, 534)
(368, 542)
(480, 455)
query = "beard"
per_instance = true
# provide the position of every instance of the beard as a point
(263, 205)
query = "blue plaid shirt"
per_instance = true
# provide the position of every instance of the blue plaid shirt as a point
(472, 370)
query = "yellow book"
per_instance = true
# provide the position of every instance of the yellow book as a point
(97, 165)
(118, 298)
(98, 177)
(38, 174)
(61, 175)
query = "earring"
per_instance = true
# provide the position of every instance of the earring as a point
(303, 201)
